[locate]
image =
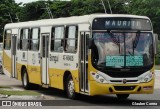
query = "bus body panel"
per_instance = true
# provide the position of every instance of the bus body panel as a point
(19, 68)
(34, 67)
(7, 64)
(59, 63)
(57, 75)
(101, 89)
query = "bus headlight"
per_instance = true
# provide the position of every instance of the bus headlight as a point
(99, 78)
(148, 77)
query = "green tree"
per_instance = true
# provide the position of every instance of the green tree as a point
(7, 7)
(31, 11)
(150, 8)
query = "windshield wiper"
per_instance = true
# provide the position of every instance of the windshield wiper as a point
(117, 42)
(102, 64)
(135, 42)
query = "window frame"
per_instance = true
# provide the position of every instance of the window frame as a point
(20, 46)
(18, 38)
(66, 38)
(53, 39)
(30, 39)
(4, 46)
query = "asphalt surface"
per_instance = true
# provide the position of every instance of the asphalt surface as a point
(86, 102)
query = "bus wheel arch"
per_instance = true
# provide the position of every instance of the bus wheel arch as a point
(68, 84)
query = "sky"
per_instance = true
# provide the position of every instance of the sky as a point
(27, 1)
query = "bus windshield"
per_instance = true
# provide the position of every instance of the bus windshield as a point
(122, 49)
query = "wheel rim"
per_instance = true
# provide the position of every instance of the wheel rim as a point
(25, 79)
(71, 87)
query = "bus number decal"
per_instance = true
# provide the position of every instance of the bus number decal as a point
(33, 58)
(54, 58)
(23, 55)
(67, 64)
(68, 58)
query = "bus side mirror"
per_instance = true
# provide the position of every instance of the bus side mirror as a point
(90, 43)
(156, 38)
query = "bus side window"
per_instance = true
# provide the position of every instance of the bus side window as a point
(71, 39)
(57, 39)
(34, 39)
(52, 38)
(7, 40)
(18, 41)
(21, 34)
(24, 39)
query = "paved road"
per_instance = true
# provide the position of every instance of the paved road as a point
(92, 102)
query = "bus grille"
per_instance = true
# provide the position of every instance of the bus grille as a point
(123, 88)
(118, 81)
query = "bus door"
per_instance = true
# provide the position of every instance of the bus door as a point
(84, 62)
(44, 58)
(13, 52)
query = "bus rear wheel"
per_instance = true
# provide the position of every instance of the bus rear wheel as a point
(25, 80)
(122, 96)
(1, 69)
(70, 87)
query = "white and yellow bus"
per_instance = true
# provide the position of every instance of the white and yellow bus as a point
(91, 54)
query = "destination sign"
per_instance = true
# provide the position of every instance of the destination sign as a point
(115, 61)
(121, 24)
(134, 60)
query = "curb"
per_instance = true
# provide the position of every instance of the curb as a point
(26, 97)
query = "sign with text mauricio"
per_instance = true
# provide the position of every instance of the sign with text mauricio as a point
(121, 23)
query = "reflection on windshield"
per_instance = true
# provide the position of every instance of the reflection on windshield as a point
(120, 49)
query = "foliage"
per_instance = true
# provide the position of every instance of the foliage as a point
(37, 10)
(150, 8)
(31, 11)
(7, 7)
(157, 59)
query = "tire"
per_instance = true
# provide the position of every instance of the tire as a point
(122, 96)
(1, 69)
(70, 89)
(25, 80)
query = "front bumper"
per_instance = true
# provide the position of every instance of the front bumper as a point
(101, 89)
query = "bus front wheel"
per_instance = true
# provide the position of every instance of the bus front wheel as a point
(70, 88)
(122, 96)
(25, 80)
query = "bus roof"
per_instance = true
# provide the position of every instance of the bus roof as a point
(66, 20)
